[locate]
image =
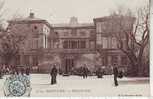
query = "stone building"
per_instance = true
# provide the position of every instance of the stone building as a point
(70, 45)
(107, 43)
(37, 32)
(76, 42)
(65, 45)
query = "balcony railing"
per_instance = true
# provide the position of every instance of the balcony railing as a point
(59, 50)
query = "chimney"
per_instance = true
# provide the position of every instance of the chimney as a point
(32, 15)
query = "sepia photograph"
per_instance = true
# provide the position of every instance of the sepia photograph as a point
(75, 48)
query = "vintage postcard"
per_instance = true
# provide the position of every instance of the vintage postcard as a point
(67, 48)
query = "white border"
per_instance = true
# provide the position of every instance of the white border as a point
(151, 48)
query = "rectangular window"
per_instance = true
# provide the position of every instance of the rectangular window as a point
(83, 33)
(114, 42)
(104, 27)
(99, 39)
(105, 42)
(74, 32)
(92, 44)
(83, 44)
(74, 44)
(114, 60)
(35, 43)
(35, 60)
(66, 33)
(18, 60)
(65, 44)
(104, 61)
(26, 60)
(110, 42)
(98, 27)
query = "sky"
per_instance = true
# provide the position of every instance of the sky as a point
(60, 11)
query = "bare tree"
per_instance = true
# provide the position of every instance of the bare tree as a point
(2, 13)
(132, 35)
(10, 47)
(10, 43)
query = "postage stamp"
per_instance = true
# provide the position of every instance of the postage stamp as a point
(17, 85)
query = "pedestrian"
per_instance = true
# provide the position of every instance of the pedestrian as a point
(53, 74)
(17, 71)
(115, 72)
(99, 73)
(0, 74)
(83, 72)
(22, 71)
(86, 72)
(27, 72)
(13, 71)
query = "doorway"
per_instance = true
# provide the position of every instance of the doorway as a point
(69, 63)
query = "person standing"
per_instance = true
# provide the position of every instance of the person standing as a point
(27, 71)
(82, 71)
(22, 71)
(17, 71)
(53, 74)
(86, 71)
(0, 74)
(115, 72)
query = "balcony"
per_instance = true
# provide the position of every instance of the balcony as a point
(78, 51)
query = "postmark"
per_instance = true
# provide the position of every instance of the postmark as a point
(17, 86)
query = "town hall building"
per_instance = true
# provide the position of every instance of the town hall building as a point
(68, 46)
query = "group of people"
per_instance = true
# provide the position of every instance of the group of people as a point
(99, 73)
(5, 69)
(22, 71)
(53, 73)
(13, 70)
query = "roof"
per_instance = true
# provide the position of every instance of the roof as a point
(74, 25)
(107, 18)
(30, 19)
(27, 19)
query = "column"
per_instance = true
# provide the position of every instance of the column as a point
(69, 45)
(78, 44)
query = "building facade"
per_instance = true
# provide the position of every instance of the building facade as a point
(36, 32)
(107, 43)
(69, 45)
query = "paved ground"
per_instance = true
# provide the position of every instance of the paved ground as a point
(77, 86)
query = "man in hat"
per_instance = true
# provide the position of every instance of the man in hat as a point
(115, 72)
(53, 74)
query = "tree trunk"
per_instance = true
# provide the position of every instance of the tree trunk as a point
(132, 68)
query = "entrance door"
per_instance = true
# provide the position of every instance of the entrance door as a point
(69, 63)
